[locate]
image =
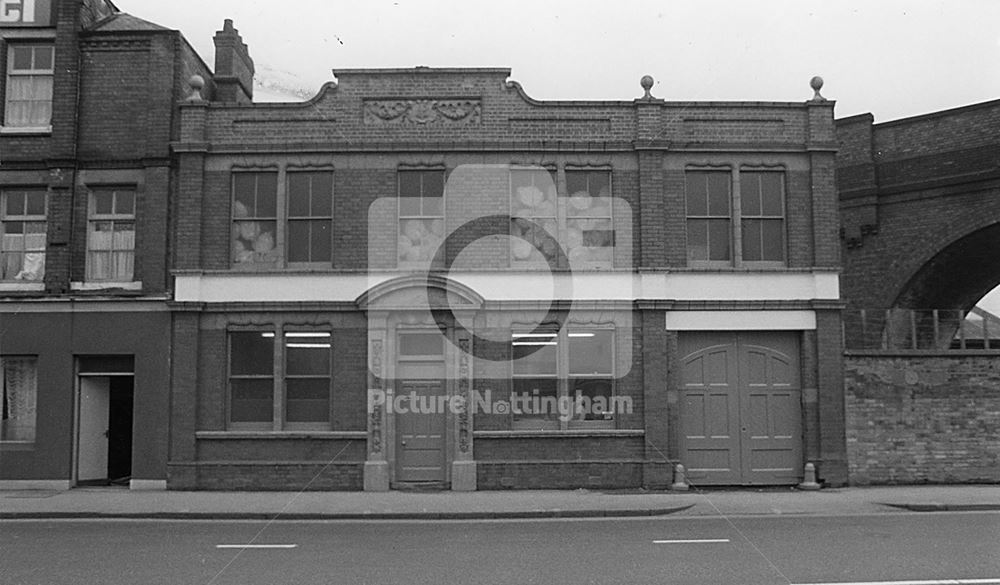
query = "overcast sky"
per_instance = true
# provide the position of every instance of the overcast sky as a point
(891, 58)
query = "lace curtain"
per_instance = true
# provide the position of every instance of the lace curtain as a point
(20, 383)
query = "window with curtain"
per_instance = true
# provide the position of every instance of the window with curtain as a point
(111, 235)
(22, 243)
(29, 86)
(19, 397)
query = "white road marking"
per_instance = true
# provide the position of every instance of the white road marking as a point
(993, 581)
(691, 541)
(256, 546)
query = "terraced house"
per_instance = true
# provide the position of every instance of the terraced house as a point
(90, 107)
(424, 277)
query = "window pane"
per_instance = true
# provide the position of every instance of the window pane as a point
(298, 241)
(718, 194)
(19, 399)
(433, 206)
(542, 361)
(409, 206)
(319, 244)
(591, 399)
(100, 235)
(421, 344)
(251, 401)
(409, 184)
(244, 189)
(21, 57)
(307, 353)
(591, 351)
(307, 400)
(251, 353)
(36, 203)
(750, 193)
(718, 239)
(535, 400)
(697, 196)
(322, 194)
(773, 236)
(15, 203)
(267, 194)
(751, 239)
(103, 202)
(600, 183)
(576, 181)
(253, 241)
(771, 190)
(433, 183)
(125, 203)
(697, 239)
(298, 194)
(44, 57)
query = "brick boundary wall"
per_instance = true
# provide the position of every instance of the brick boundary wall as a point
(923, 419)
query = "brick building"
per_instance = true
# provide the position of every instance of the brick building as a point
(410, 234)
(418, 277)
(90, 106)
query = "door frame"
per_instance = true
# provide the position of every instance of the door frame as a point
(77, 425)
(400, 325)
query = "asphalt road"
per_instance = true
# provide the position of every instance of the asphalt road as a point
(739, 551)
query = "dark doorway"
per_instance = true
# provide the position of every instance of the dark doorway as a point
(104, 431)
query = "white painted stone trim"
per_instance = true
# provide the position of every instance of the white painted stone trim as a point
(147, 485)
(280, 287)
(740, 320)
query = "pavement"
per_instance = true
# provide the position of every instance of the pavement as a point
(406, 505)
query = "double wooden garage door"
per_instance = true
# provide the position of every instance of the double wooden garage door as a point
(740, 408)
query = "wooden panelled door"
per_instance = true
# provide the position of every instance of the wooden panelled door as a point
(740, 408)
(420, 440)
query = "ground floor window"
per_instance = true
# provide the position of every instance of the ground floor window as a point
(19, 396)
(284, 387)
(563, 379)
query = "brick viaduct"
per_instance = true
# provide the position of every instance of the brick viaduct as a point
(920, 208)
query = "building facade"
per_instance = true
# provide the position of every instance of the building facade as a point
(90, 102)
(425, 277)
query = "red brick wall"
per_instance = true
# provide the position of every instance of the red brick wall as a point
(930, 419)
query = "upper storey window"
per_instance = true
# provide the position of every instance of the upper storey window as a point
(22, 243)
(255, 218)
(111, 235)
(29, 86)
(421, 214)
(735, 217)
(579, 223)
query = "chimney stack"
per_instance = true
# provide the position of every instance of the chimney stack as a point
(233, 66)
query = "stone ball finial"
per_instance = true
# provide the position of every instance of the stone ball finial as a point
(647, 84)
(196, 83)
(817, 84)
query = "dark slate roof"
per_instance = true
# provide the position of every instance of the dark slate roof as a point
(122, 22)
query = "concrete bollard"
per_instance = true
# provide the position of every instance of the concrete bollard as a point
(809, 478)
(680, 479)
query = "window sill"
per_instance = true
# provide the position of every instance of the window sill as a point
(22, 286)
(25, 130)
(278, 435)
(570, 433)
(100, 285)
